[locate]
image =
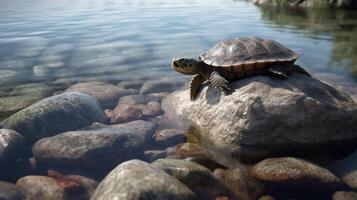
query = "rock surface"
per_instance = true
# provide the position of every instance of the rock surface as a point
(197, 177)
(41, 187)
(153, 86)
(12, 145)
(265, 116)
(125, 113)
(9, 191)
(342, 4)
(169, 137)
(344, 195)
(96, 148)
(106, 94)
(346, 169)
(56, 114)
(290, 171)
(242, 184)
(139, 99)
(137, 180)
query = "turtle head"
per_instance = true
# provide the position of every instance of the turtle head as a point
(187, 66)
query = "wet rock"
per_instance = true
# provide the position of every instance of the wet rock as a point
(76, 187)
(131, 84)
(138, 99)
(12, 146)
(41, 187)
(346, 169)
(9, 191)
(344, 195)
(290, 171)
(100, 148)
(56, 114)
(342, 4)
(152, 155)
(106, 94)
(141, 128)
(153, 86)
(126, 182)
(242, 184)
(130, 112)
(197, 177)
(169, 137)
(265, 117)
(266, 197)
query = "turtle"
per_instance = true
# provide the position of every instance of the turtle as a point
(234, 59)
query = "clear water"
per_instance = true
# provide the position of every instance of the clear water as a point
(66, 41)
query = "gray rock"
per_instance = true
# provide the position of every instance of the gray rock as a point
(344, 195)
(106, 94)
(41, 187)
(12, 145)
(342, 4)
(346, 169)
(153, 86)
(195, 176)
(138, 99)
(137, 180)
(98, 148)
(56, 114)
(141, 128)
(290, 171)
(9, 191)
(265, 116)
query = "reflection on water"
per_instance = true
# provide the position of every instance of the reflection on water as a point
(61, 42)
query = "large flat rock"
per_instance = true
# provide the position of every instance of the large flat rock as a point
(265, 116)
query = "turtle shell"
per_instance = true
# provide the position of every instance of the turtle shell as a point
(247, 50)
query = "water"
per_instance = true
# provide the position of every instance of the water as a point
(62, 42)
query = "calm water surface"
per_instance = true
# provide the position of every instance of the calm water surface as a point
(66, 41)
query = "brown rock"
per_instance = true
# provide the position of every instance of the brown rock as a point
(290, 171)
(125, 113)
(344, 195)
(169, 137)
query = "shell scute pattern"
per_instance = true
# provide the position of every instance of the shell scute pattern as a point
(247, 50)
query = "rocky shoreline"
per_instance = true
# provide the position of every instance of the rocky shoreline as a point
(339, 4)
(132, 140)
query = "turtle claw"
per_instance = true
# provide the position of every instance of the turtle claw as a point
(219, 82)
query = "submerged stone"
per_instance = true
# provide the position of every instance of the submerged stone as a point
(99, 148)
(9, 191)
(265, 116)
(346, 169)
(138, 180)
(12, 146)
(288, 171)
(106, 94)
(56, 114)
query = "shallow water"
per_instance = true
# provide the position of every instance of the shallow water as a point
(67, 41)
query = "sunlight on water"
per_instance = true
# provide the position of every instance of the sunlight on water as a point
(69, 41)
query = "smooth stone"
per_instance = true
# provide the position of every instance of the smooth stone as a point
(241, 184)
(131, 84)
(152, 155)
(153, 86)
(346, 169)
(195, 176)
(125, 113)
(265, 116)
(169, 137)
(9, 191)
(56, 114)
(144, 129)
(98, 148)
(12, 146)
(344, 195)
(138, 99)
(41, 187)
(290, 171)
(106, 94)
(138, 180)
(266, 197)
(75, 186)
(12, 104)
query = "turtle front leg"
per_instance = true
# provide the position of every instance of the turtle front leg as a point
(219, 82)
(195, 85)
(301, 70)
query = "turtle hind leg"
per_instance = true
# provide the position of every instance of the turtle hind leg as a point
(195, 85)
(278, 71)
(219, 82)
(301, 70)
